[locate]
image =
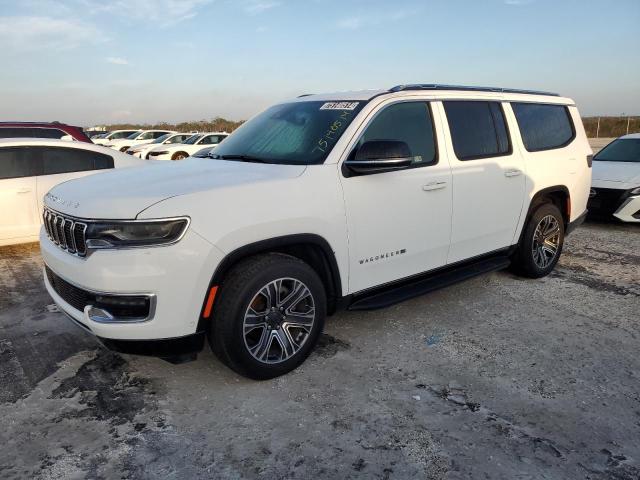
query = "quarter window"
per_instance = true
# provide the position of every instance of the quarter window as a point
(543, 126)
(65, 160)
(478, 129)
(408, 122)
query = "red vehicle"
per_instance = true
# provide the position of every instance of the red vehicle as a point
(54, 130)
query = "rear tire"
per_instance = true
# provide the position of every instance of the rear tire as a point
(541, 243)
(268, 317)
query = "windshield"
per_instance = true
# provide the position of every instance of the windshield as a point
(621, 150)
(134, 135)
(291, 133)
(192, 139)
(162, 138)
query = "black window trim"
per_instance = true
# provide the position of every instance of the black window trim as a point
(436, 158)
(31, 128)
(500, 102)
(569, 117)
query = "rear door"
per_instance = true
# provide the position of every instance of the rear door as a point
(60, 164)
(488, 178)
(19, 216)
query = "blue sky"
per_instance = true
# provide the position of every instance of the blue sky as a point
(93, 61)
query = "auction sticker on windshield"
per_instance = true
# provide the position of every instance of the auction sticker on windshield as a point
(340, 106)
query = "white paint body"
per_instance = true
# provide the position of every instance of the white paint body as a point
(21, 198)
(168, 152)
(142, 138)
(140, 150)
(476, 207)
(115, 135)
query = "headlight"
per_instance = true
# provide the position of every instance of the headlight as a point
(135, 233)
(635, 191)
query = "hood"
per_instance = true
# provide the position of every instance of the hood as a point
(123, 193)
(623, 172)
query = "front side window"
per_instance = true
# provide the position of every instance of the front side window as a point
(192, 140)
(408, 122)
(299, 133)
(177, 139)
(620, 150)
(478, 129)
(64, 160)
(18, 162)
(543, 126)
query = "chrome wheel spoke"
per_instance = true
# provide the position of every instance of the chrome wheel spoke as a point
(279, 320)
(546, 241)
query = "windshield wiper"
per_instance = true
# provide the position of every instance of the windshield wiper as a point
(242, 158)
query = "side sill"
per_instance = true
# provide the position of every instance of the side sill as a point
(419, 285)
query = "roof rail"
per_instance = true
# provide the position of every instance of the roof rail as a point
(466, 88)
(305, 95)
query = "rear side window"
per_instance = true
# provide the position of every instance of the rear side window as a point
(18, 163)
(31, 132)
(64, 160)
(478, 129)
(408, 122)
(544, 127)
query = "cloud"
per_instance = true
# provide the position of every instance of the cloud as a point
(117, 60)
(518, 3)
(19, 33)
(255, 7)
(372, 20)
(164, 13)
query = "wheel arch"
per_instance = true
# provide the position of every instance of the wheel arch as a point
(310, 248)
(175, 154)
(558, 195)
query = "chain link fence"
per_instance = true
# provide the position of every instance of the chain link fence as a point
(610, 127)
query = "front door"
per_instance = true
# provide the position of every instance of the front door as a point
(399, 222)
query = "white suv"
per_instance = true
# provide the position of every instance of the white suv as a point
(351, 200)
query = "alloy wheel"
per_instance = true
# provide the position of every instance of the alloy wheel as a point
(546, 241)
(279, 320)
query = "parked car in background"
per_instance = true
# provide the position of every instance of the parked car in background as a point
(141, 150)
(115, 135)
(29, 168)
(191, 145)
(616, 180)
(205, 152)
(97, 134)
(139, 138)
(352, 199)
(53, 130)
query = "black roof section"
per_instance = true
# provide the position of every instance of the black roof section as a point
(466, 88)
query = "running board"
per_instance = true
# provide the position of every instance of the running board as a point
(413, 288)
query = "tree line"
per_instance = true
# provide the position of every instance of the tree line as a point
(610, 126)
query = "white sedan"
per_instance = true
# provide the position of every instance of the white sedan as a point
(112, 136)
(30, 167)
(141, 150)
(616, 180)
(139, 138)
(189, 147)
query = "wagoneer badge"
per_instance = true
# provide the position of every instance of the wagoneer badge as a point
(382, 256)
(59, 201)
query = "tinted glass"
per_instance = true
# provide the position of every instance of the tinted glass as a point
(161, 138)
(119, 135)
(31, 132)
(48, 133)
(408, 122)
(178, 138)
(543, 127)
(18, 162)
(10, 132)
(65, 160)
(478, 129)
(192, 139)
(158, 134)
(134, 135)
(301, 132)
(621, 150)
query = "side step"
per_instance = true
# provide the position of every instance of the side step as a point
(397, 293)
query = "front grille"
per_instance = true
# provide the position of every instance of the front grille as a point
(605, 200)
(66, 232)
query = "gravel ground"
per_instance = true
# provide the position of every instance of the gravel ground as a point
(498, 377)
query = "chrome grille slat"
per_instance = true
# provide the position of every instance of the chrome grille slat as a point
(66, 232)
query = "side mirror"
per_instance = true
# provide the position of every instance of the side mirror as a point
(377, 156)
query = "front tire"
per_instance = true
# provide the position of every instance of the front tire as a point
(541, 243)
(269, 316)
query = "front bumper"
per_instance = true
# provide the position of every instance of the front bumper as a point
(175, 276)
(605, 202)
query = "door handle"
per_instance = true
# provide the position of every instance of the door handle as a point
(434, 186)
(512, 173)
(23, 190)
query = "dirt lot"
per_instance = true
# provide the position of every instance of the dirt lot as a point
(494, 378)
